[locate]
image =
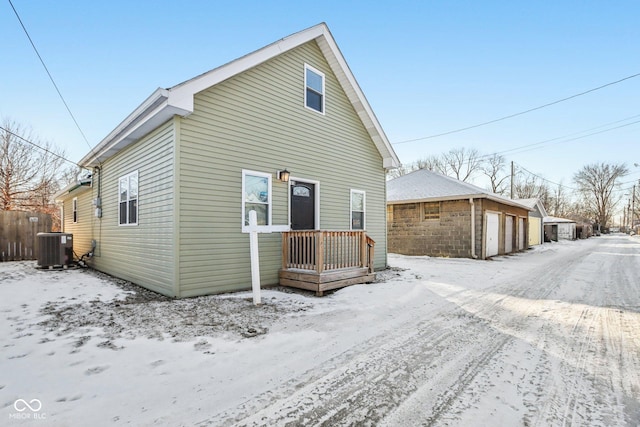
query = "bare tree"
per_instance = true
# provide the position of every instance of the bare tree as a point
(493, 168)
(596, 183)
(29, 176)
(559, 203)
(400, 171)
(528, 186)
(432, 163)
(462, 163)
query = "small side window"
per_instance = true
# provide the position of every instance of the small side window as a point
(314, 89)
(128, 199)
(431, 210)
(75, 209)
(358, 208)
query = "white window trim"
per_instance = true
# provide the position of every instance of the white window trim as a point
(364, 208)
(320, 73)
(129, 224)
(316, 219)
(261, 228)
(74, 210)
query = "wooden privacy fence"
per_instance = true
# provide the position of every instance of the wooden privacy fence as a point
(18, 234)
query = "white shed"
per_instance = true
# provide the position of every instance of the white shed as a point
(559, 229)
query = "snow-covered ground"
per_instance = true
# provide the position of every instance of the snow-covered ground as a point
(548, 337)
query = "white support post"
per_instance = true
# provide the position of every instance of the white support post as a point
(255, 259)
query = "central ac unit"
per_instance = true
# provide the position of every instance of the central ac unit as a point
(55, 249)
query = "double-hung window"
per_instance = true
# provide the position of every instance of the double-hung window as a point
(256, 196)
(358, 207)
(128, 199)
(314, 89)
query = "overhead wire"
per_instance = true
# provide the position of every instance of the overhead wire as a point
(41, 148)
(544, 179)
(516, 149)
(519, 113)
(24, 28)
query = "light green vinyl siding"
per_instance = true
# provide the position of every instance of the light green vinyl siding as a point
(81, 230)
(140, 253)
(257, 121)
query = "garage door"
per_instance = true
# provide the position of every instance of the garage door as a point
(534, 231)
(492, 233)
(508, 234)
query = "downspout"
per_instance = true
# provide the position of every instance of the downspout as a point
(473, 229)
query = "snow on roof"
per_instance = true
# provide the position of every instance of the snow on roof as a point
(551, 219)
(425, 185)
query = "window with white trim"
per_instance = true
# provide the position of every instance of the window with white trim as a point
(314, 89)
(256, 196)
(358, 208)
(75, 209)
(128, 199)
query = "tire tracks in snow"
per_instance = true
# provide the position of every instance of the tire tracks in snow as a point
(596, 378)
(417, 373)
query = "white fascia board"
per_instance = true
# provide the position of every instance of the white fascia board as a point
(183, 91)
(508, 202)
(154, 111)
(456, 197)
(541, 208)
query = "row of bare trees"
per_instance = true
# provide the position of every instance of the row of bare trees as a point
(592, 197)
(31, 171)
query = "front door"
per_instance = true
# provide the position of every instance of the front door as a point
(303, 206)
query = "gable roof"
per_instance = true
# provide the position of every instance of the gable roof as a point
(163, 104)
(533, 203)
(426, 186)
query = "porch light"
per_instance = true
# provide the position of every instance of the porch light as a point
(283, 175)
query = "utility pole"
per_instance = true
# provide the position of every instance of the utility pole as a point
(512, 176)
(633, 207)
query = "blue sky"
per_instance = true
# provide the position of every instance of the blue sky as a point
(426, 67)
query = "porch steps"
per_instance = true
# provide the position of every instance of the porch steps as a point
(327, 280)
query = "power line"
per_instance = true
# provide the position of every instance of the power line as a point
(41, 148)
(518, 114)
(50, 76)
(544, 179)
(572, 139)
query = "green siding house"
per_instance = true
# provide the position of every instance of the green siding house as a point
(171, 187)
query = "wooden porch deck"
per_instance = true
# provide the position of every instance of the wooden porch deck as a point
(323, 260)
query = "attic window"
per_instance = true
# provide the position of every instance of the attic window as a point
(314, 89)
(431, 210)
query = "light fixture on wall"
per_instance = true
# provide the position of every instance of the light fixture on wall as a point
(283, 175)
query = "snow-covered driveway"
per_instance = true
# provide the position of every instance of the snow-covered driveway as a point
(549, 337)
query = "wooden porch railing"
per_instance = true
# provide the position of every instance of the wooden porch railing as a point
(321, 251)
